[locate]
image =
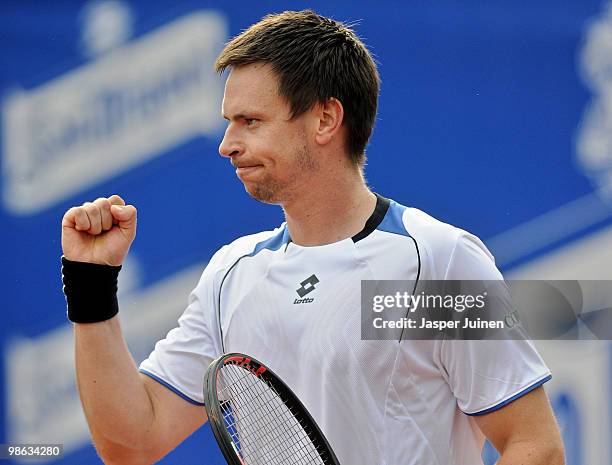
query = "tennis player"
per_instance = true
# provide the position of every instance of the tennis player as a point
(300, 103)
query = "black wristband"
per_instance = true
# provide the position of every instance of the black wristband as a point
(91, 291)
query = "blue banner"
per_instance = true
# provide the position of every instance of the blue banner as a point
(495, 117)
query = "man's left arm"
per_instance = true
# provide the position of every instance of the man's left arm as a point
(525, 431)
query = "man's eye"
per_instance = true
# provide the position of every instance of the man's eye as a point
(250, 121)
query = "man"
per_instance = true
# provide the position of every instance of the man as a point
(300, 102)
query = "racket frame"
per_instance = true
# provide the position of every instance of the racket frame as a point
(217, 421)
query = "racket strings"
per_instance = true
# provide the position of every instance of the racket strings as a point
(231, 424)
(263, 429)
(269, 411)
(278, 441)
(275, 440)
(257, 418)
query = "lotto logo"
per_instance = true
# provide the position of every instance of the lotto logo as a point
(308, 285)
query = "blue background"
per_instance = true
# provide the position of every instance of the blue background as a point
(478, 115)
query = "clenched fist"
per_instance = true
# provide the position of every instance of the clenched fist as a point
(99, 232)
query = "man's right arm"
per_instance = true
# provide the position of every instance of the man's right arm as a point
(132, 418)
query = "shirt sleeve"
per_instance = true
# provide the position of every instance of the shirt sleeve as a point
(486, 375)
(179, 361)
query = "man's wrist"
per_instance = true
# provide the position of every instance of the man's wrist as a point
(90, 290)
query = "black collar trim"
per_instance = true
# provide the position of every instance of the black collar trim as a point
(382, 205)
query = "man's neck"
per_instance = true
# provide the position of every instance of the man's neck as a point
(330, 212)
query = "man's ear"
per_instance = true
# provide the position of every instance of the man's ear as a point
(331, 116)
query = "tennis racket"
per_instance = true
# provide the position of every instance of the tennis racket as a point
(257, 419)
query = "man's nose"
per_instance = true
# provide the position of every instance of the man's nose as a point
(230, 146)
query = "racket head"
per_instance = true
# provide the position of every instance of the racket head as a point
(237, 385)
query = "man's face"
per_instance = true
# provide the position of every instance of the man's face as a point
(270, 151)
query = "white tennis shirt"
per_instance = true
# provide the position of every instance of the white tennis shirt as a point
(297, 309)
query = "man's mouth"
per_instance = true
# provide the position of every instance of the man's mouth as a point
(246, 169)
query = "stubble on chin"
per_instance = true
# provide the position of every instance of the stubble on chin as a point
(274, 191)
(265, 192)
